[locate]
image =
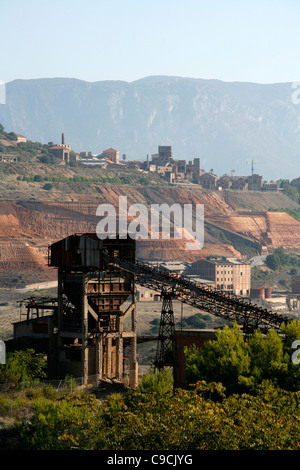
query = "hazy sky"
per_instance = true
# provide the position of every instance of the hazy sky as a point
(230, 40)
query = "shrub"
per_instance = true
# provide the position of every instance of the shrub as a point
(160, 382)
(48, 186)
(37, 178)
(23, 366)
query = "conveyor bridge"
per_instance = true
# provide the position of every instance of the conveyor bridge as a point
(205, 297)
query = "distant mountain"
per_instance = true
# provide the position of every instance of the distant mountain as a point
(226, 124)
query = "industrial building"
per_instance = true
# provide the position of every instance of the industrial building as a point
(82, 329)
(230, 275)
(111, 155)
(61, 151)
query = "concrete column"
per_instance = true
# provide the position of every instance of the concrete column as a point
(59, 298)
(133, 368)
(108, 349)
(84, 354)
(99, 359)
(119, 358)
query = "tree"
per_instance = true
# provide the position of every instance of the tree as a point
(23, 366)
(38, 178)
(48, 186)
(273, 261)
(244, 364)
(47, 158)
(269, 360)
(224, 360)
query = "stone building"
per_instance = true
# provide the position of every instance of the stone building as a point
(208, 180)
(61, 151)
(111, 155)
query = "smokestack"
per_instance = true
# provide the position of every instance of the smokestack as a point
(63, 139)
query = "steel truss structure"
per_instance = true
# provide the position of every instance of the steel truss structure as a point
(207, 298)
(165, 352)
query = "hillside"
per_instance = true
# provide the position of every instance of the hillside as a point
(28, 227)
(225, 124)
(33, 215)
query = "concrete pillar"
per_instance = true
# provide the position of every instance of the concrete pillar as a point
(133, 368)
(108, 350)
(119, 358)
(54, 361)
(84, 332)
(99, 359)
(59, 299)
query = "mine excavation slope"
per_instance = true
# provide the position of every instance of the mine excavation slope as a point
(272, 229)
(27, 228)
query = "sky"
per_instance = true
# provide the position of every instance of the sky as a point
(95, 40)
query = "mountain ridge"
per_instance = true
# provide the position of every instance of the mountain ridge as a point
(225, 124)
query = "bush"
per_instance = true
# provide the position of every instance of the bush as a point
(160, 382)
(23, 367)
(179, 421)
(277, 259)
(47, 159)
(48, 186)
(38, 178)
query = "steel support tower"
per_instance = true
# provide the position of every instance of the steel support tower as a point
(165, 353)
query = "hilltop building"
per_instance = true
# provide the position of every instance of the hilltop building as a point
(21, 138)
(179, 171)
(272, 186)
(208, 180)
(255, 182)
(61, 151)
(170, 169)
(8, 157)
(111, 154)
(296, 183)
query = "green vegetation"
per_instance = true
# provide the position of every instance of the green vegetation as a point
(200, 418)
(158, 382)
(23, 367)
(198, 320)
(289, 190)
(292, 212)
(6, 136)
(29, 147)
(48, 186)
(242, 364)
(245, 397)
(279, 258)
(125, 179)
